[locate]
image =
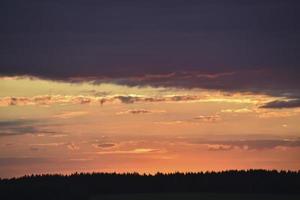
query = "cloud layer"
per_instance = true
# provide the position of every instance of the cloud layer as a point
(243, 46)
(127, 99)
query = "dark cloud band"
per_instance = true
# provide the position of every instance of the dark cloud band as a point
(238, 45)
(283, 104)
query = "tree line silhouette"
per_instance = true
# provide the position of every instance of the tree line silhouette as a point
(85, 185)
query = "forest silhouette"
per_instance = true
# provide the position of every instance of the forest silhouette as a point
(86, 185)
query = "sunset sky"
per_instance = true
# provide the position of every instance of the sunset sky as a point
(147, 86)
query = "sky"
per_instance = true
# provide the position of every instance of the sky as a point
(147, 86)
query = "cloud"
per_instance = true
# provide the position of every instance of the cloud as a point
(293, 103)
(48, 100)
(198, 119)
(80, 159)
(218, 147)
(133, 151)
(225, 82)
(70, 114)
(104, 145)
(272, 114)
(58, 135)
(137, 94)
(241, 110)
(176, 47)
(52, 144)
(264, 144)
(17, 122)
(34, 149)
(139, 111)
(59, 99)
(207, 118)
(15, 161)
(175, 122)
(274, 82)
(134, 111)
(22, 126)
(73, 147)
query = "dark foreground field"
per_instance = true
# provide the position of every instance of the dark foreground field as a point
(233, 185)
(196, 196)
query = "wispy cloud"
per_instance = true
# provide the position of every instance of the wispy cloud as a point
(133, 151)
(257, 144)
(195, 120)
(52, 144)
(241, 110)
(14, 161)
(70, 114)
(139, 111)
(73, 147)
(203, 96)
(219, 147)
(105, 145)
(22, 126)
(208, 118)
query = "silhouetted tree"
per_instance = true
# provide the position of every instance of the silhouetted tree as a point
(84, 185)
